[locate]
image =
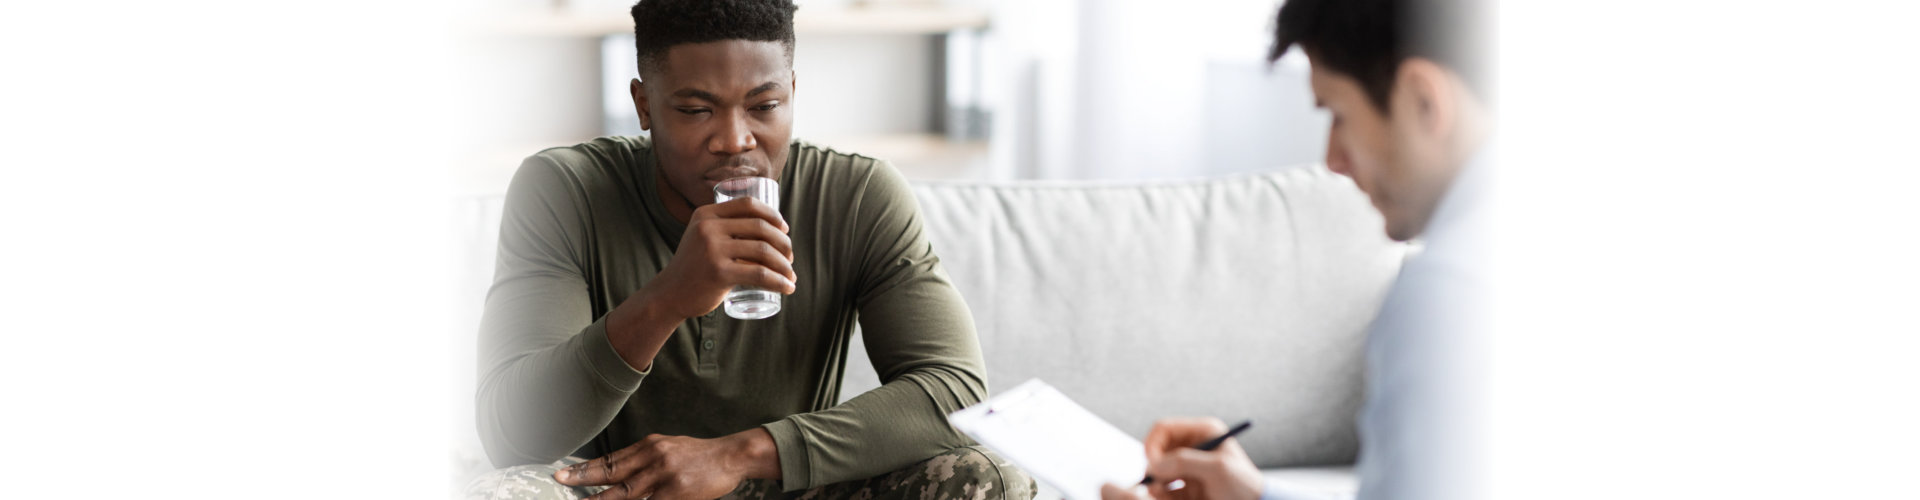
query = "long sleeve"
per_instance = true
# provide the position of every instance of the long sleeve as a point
(920, 336)
(549, 378)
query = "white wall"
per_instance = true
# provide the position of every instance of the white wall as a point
(527, 90)
(863, 84)
(1127, 89)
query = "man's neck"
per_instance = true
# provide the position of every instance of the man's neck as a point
(1466, 186)
(679, 206)
(1453, 156)
(1475, 125)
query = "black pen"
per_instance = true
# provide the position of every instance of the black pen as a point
(1212, 443)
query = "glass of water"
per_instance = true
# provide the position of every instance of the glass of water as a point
(747, 302)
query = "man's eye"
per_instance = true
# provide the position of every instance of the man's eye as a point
(767, 107)
(693, 111)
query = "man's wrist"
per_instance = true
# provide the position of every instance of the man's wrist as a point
(755, 454)
(637, 328)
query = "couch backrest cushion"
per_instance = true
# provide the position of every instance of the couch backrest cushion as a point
(1238, 297)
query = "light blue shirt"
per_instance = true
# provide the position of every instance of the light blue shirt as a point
(1418, 433)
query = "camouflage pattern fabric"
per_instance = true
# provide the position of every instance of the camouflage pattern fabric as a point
(970, 473)
(528, 482)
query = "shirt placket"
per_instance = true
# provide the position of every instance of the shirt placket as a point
(707, 343)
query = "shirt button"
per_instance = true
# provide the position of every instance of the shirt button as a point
(708, 345)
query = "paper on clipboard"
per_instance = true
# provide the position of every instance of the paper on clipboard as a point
(1055, 440)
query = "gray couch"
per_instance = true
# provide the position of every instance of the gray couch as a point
(1242, 297)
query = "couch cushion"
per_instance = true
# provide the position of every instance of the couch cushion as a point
(1238, 297)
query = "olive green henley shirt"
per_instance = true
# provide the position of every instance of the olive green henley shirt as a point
(584, 227)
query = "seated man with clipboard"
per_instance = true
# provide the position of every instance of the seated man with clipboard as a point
(1404, 81)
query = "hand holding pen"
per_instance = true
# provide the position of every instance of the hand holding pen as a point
(1210, 445)
(1198, 455)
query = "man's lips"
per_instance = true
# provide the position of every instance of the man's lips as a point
(720, 174)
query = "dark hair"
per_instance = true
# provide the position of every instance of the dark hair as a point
(1368, 39)
(662, 24)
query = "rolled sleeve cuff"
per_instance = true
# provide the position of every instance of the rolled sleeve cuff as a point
(606, 362)
(795, 469)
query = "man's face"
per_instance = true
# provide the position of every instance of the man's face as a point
(1388, 155)
(717, 110)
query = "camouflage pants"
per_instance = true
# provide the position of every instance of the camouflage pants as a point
(970, 473)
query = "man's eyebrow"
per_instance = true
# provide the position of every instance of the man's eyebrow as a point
(763, 88)
(697, 94)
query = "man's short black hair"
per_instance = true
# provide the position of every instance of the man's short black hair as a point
(662, 24)
(1368, 39)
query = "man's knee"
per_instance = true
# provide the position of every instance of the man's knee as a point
(524, 482)
(974, 473)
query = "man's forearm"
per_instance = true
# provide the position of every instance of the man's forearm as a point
(638, 330)
(901, 422)
(541, 405)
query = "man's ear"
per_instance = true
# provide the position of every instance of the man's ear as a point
(639, 91)
(1430, 102)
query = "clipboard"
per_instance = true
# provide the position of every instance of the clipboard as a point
(1055, 439)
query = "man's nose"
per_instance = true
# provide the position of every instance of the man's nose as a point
(1337, 160)
(734, 137)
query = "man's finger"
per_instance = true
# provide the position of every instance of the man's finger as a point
(746, 207)
(755, 275)
(1163, 475)
(1181, 432)
(617, 491)
(1157, 489)
(666, 490)
(607, 470)
(594, 472)
(1188, 465)
(576, 474)
(722, 231)
(636, 487)
(761, 253)
(1112, 491)
(759, 230)
(612, 491)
